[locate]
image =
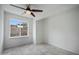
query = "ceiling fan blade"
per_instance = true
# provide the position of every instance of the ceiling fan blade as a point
(28, 7)
(17, 7)
(35, 10)
(32, 14)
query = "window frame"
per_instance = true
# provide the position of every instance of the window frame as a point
(20, 29)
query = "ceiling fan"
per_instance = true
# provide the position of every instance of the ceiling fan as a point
(28, 9)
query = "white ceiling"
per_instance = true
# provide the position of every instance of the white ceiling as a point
(48, 9)
(52, 9)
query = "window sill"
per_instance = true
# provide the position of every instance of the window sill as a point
(18, 37)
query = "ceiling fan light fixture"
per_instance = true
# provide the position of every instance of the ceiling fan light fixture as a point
(28, 12)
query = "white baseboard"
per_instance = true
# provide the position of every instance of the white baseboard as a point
(63, 48)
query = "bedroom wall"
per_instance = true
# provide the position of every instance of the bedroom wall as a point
(39, 32)
(62, 30)
(1, 29)
(13, 42)
(6, 42)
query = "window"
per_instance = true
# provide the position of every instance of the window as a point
(18, 28)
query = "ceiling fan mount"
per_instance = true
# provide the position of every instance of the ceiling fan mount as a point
(28, 9)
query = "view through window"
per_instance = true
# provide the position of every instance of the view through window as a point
(18, 28)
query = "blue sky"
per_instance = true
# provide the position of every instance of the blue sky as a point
(15, 21)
